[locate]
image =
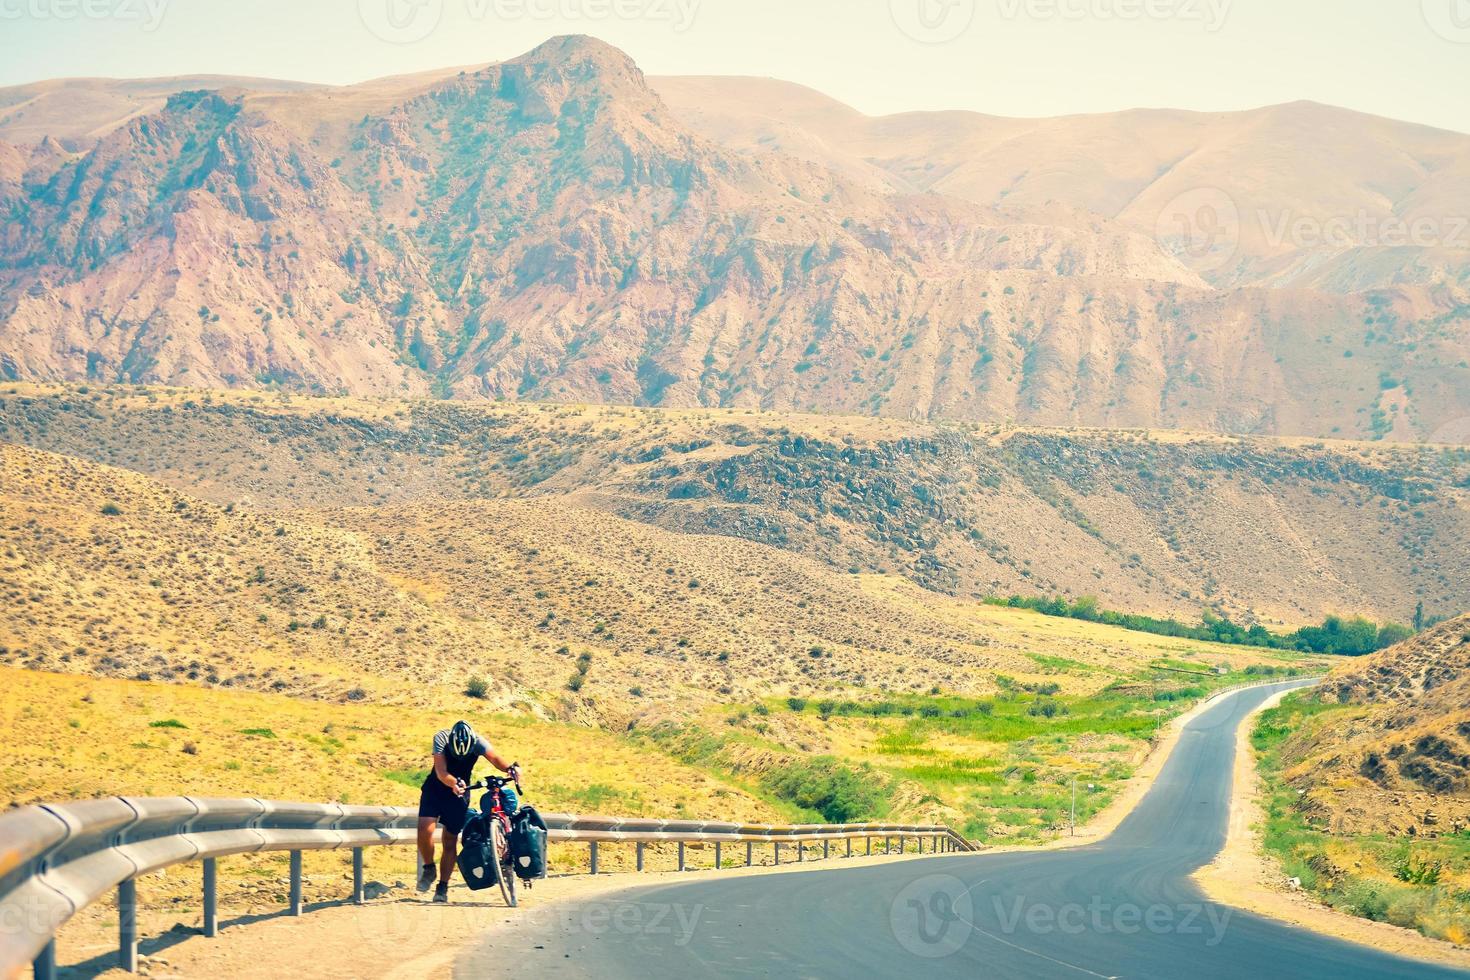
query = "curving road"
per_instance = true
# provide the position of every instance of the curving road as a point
(1122, 908)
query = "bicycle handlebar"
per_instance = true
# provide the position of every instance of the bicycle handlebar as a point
(497, 782)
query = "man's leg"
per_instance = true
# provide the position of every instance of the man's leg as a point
(446, 861)
(426, 839)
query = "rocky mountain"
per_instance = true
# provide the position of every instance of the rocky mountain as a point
(557, 228)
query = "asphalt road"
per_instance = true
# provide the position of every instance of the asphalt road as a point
(1123, 908)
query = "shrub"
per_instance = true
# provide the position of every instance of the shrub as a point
(796, 704)
(476, 688)
(840, 794)
(167, 723)
(111, 510)
(1045, 708)
(575, 682)
(357, 694)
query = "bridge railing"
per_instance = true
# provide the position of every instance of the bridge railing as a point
(56, 859)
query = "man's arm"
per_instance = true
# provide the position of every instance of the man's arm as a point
(494, 758)
(441, 773)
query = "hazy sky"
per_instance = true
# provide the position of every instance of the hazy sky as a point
(1409, 59)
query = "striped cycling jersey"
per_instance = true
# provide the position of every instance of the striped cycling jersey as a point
(460, 767)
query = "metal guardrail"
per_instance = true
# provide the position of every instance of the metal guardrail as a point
(56, 859)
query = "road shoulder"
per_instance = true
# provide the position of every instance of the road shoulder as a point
(1244, 877)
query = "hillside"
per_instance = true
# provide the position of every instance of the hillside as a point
(555, 228)
(562, 610)
(1275, 531)
(1410, 745)
(1388, 745)
(1368, 784)
(1132, 167)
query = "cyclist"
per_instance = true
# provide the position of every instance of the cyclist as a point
(444, 800)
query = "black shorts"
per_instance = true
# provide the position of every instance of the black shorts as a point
(438, 801)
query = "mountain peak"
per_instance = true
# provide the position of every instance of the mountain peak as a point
(567, 51)
(567, 67)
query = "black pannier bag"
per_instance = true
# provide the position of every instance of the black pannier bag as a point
(528, 844)
(477, 862)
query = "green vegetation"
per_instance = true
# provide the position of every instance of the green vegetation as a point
(167, 723)
(1353, 637)
(1374, 876)
(413, 778)
(825, 785)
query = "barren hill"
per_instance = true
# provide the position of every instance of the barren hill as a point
(556, 606)
(1397, 756)
(556, 228)
(1277, 531)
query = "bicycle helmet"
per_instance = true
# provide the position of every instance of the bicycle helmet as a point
(461, 739)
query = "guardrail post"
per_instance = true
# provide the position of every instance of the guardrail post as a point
(887, 846)
(44, 965)
(211, 898)
(777, 846)
(639, 858)
(681, 855)
(717, 855)
(826, 849)
(869, 846)
(295, 882)
(127, 926)
(358, 895)
(849, 847)
(592, 857)
(749, 853)
(800, 851)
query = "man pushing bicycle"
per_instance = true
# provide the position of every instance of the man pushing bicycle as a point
(444, 800)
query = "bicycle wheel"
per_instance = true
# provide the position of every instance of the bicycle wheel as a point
(502, 853)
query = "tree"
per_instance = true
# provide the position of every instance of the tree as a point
(1419, 618)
